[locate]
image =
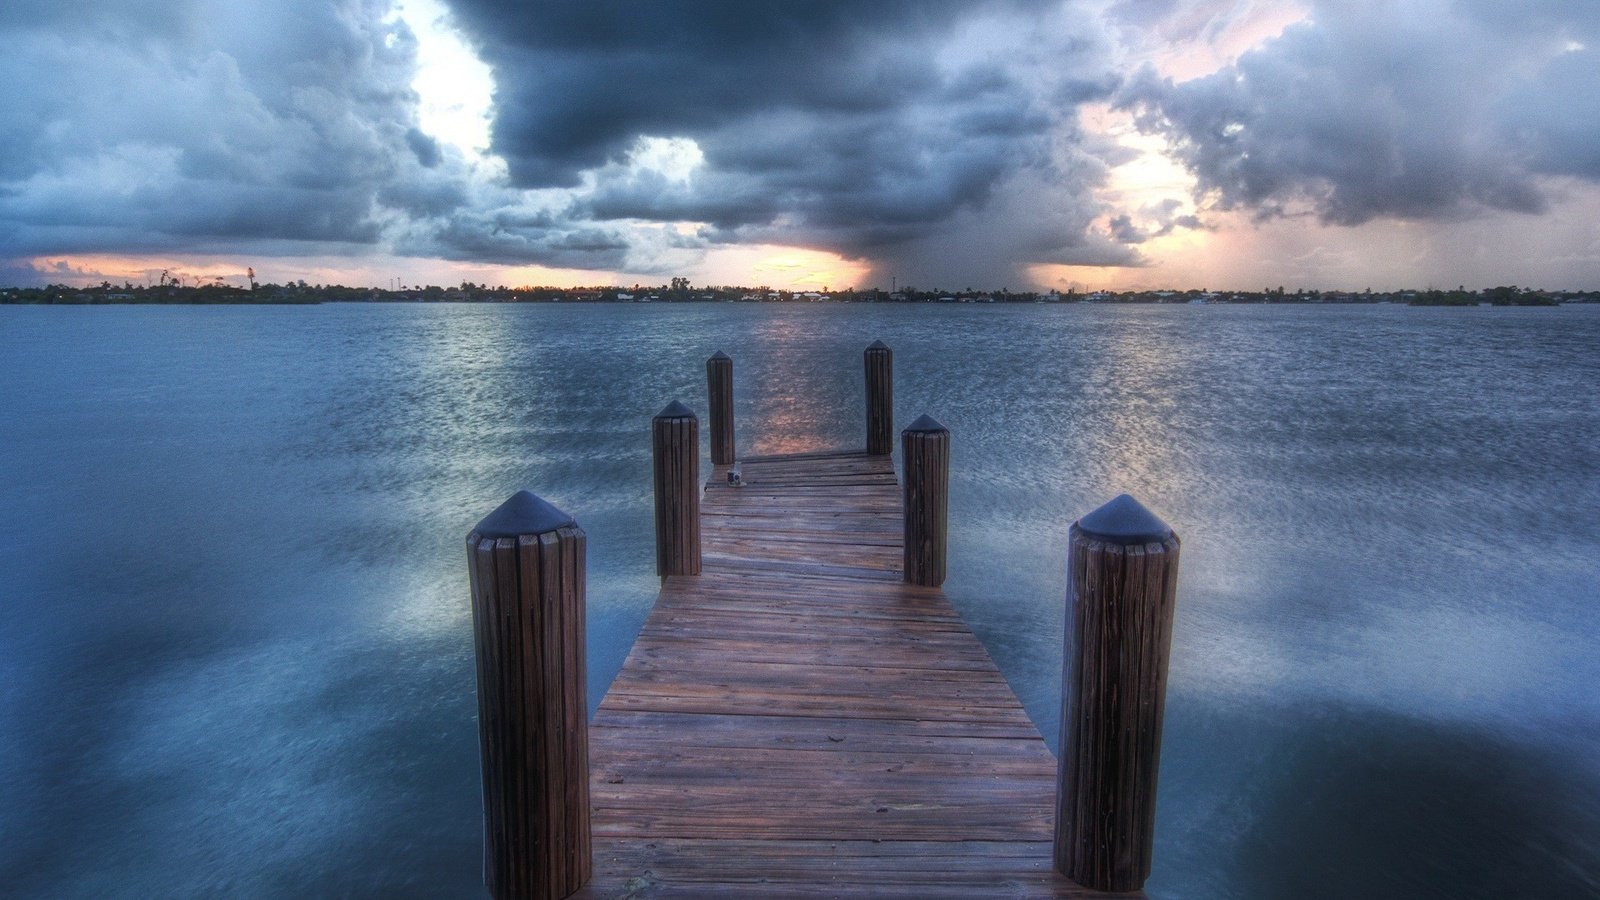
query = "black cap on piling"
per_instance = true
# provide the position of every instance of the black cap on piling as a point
(675, 410)
(1124, 521)
(925, 424)
(877, 345)
(720, 355)
(523, 514)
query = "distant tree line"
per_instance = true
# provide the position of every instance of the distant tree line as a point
(679, 290)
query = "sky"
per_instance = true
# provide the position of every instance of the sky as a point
(1021, 144)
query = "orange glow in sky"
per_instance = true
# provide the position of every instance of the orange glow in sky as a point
(139, 270)
(786, 268)
(777, 267)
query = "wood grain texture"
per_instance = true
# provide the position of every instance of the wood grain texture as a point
(528, 622)
(925, 459)
(799, 722)
(675, 454)
(719, 387)
(880, 400)
(1121, 600)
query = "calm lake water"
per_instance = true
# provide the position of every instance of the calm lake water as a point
(235, 636)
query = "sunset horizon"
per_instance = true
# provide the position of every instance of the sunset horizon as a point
(1095, 144)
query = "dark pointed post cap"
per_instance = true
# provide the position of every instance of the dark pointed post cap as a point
(1125, 521)
(523, 514)
(877, 345)
(925, 424)
(675, 410)
(720, 355)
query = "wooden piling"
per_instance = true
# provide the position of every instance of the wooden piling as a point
(526, 566)
(675, 446)
(880, 399)
(719, 384)
(925, 459)
(1122, 586)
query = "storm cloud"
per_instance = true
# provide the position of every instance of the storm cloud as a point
(897, 132)
(157, 127)
(940, 142)
(881, 131)
(1415, 110)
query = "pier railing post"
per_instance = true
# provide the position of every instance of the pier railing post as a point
(526, 566)
(925, 457)
(675, 446)
(880, 399)
(719, 384)
(1122, 578)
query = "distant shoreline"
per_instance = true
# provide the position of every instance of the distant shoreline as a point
(305, 295)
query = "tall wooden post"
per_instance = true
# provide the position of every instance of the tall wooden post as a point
(526, 566)
(719, 384)
(675, 446)
(1122, 576)
(925, 457)
(880, 399)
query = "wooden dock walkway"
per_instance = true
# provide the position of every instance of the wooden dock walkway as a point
(796, 721)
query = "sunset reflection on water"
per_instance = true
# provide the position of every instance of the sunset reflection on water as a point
(797, 391)
(1133, 445)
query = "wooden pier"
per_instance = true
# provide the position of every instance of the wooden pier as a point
(804, 714)
(796, 720)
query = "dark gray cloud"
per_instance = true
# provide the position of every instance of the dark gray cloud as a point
(1154, 220)
(912, 133)
(180, 127)
(895, 131)
(578, 83)
(938, 140)
(868, 178)
(514, 236)
(1420, 109)
(164, 125)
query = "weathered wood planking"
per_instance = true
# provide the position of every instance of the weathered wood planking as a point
(796, 721)
(526, 567)
(925, 456)
(719, 394)
(1122, 578)
(879, 361)
(675, 456)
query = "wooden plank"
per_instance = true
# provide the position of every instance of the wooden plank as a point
(797, 721)
(676, 868)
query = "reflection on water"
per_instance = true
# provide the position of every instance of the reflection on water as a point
(1134, 370)
(789, 377)
(235, 652)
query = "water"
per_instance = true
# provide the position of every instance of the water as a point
(235, 653)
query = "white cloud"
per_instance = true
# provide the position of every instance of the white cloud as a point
(455, 88)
